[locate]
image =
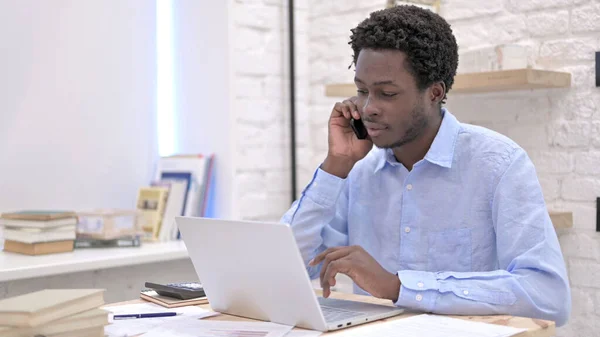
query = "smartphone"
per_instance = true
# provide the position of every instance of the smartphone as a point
(359, 128)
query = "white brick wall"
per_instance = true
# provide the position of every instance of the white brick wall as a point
(261, 85)
(559, 128)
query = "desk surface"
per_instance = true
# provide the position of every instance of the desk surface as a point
(535, 327)
(17, 266)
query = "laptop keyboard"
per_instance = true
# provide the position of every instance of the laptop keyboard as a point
(333, 314)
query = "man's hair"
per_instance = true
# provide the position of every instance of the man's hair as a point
(425, 37)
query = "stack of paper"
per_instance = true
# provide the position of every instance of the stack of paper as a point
(194, 328)
(133, 327)
(431, 326)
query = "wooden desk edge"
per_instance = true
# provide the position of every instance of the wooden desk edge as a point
(535, 327)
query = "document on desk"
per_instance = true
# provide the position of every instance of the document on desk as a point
(303, 333)
(199, 328)
(431, 326)
(133, 327)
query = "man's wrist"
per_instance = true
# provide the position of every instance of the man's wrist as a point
(339, 167)
(395, 285)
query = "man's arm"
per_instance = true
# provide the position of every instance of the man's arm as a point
(532, 279)
(318, 217)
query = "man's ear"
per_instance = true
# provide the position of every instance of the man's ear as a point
(437, 92)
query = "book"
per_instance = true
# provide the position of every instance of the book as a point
(40, 307)
(34, 235)
(196, 168)
(169, 302)
(93, 332)
(89, 319)
(38, 223)
(38, 248)
(39, 215)
(175, 207)
(151, 203)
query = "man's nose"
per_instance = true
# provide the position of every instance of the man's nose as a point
(370, 107)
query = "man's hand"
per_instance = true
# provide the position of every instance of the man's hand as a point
(345, 149)
(361, 267)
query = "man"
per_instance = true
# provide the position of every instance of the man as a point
(440, 216)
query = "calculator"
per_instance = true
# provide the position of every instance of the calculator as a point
(180, 290)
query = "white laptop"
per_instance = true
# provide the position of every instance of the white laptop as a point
(255, 270)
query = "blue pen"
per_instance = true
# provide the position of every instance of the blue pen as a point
(149, 315)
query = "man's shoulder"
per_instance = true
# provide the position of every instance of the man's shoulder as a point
(481, 141)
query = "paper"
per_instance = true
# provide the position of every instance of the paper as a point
(431, 326)
(133, 327)
(197, 328)
(303, 333)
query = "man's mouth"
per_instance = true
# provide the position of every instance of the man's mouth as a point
(375, 130)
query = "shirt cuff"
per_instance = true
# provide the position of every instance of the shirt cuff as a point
(418, 290)
(325, 188)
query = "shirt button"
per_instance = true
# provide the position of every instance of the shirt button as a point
(407, 229)
(419, 297)
(466, 292)
(420, 284)
(409, 187)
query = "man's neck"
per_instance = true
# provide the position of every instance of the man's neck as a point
(409, 154)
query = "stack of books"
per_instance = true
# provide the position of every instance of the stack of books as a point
(39, 232)
(54, 313)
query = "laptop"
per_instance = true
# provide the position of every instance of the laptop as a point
(254, 269)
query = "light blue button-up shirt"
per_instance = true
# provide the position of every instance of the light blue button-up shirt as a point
(466, 230)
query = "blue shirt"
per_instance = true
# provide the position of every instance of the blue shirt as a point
(467, 230)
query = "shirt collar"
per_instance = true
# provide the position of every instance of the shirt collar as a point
(441, 151)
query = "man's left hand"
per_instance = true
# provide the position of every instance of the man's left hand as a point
(361, 267)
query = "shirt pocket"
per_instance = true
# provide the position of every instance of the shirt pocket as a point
(449, 250)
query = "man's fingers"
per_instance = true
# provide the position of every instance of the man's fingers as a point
(317, 259)
(335, 267)
(331, 257)
(353, 109)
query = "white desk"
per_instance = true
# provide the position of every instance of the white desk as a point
(17, 266)
(125, 268)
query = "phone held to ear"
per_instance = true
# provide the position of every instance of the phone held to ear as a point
(359, 128)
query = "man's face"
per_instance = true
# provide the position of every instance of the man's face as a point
(390, 104)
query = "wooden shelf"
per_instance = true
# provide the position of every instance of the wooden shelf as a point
(561, 220)
(518, 79)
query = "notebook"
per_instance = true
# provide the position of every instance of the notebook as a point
(40, 307)
(169, 302)
(90, 319)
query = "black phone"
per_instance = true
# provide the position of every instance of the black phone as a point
(359, 128)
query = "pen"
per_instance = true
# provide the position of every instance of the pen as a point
(149, 315)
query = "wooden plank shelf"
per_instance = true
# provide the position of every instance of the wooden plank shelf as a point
(491, 81)
(561, 220)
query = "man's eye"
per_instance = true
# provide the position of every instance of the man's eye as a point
(361, 92)
(388, 94)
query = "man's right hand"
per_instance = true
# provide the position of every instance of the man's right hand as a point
(345, 149)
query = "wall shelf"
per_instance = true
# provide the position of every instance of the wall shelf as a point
(503, 80)
(561, 220)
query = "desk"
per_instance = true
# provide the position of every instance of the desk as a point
(535, 327)
(122, 271)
